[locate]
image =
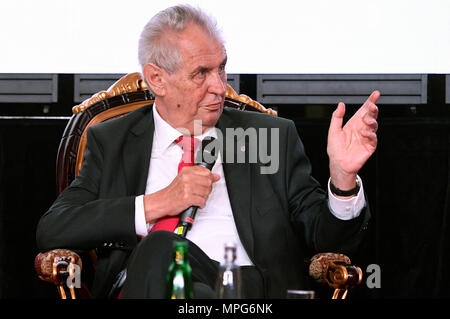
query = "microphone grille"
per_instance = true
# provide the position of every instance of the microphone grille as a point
(207, 152)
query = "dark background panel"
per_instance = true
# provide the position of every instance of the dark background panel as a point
(27, 188)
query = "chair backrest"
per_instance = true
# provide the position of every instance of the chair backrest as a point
(127, 94)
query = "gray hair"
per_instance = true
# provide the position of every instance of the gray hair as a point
(153, 48)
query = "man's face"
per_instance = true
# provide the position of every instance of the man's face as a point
(196, 92)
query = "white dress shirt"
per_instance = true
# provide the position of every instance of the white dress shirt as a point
(165, 157)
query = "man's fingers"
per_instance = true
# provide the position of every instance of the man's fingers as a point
(198, 200)
(337, 118)
(371, 138)
(369, 106)
(374, 97)
(198, 195)
(371, 122)
(373, 110)
(215, 177)
(196, 180)
(371, 103)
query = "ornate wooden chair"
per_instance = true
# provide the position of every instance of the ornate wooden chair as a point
(127, 94)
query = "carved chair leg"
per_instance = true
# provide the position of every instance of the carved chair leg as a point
(61, 292)
(64, 269)
(72, 275)
(340, 293)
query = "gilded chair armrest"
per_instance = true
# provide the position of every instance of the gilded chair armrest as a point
(336, 271)
(52, 266)
(320, 263)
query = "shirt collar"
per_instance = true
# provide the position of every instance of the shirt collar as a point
(165, 134)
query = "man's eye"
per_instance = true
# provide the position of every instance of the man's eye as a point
(200, 73)
(199, 77)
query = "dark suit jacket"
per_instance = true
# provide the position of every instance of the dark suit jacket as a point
(281, 218)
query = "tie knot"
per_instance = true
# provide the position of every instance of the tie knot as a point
(188, 144)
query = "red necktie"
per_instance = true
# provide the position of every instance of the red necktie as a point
(188, 145)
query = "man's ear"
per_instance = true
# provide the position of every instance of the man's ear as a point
(154, 76)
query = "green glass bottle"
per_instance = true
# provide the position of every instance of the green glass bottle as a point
(179, 283)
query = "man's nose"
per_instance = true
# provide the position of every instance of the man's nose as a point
(217, 84)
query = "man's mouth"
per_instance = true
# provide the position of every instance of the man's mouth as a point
(213, 106)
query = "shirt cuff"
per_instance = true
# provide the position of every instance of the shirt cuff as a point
(346, 209)
(139, 217)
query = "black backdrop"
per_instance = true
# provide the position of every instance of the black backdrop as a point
(406, 181)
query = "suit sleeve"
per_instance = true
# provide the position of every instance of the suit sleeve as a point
(79, 219)
(309, 208)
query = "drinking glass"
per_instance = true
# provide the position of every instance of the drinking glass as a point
(300, 294)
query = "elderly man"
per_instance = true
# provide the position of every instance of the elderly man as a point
(129, 192)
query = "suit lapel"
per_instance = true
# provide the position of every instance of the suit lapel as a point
(137, 151)
(238, 179)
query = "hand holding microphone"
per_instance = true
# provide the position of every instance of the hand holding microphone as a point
(206, 157)
(190, 188)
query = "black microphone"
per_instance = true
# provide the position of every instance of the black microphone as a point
(206, 157)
